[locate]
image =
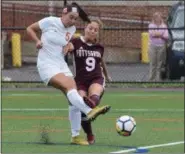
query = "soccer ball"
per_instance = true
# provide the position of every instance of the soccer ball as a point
(125, 125)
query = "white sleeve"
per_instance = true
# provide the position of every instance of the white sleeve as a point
(45, 23)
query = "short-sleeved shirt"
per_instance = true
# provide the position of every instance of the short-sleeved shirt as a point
(54, 37)
(87, 58)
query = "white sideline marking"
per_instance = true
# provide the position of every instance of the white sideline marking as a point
(28, 109)
(66, 109)
(52, 94)
(25, 94)
(149, 147)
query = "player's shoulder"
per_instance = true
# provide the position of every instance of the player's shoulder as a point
(151, 25)
(99, 45)
(49, 19)
(75, 40)
(53, 18)
(72, 29)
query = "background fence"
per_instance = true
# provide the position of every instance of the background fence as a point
(124, 22)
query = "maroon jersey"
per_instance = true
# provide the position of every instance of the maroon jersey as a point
(87, 59)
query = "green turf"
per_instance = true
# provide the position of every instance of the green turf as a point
(163, 124)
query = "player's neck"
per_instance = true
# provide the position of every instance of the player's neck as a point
(87, 40)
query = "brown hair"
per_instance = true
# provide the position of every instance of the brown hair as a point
(98, 21)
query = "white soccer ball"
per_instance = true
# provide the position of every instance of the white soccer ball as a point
(125, 125)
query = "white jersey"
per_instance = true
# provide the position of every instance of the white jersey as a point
(54, 37)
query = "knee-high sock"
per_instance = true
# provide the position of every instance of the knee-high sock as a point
(86, 125)
(95, 98)
(76, 100)
(75, 120)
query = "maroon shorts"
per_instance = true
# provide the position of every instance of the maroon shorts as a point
(85, 84)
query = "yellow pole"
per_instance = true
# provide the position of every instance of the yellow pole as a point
(16, 50)
(76, 35)
(144, 47)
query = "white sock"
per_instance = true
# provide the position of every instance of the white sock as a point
(76, 100)
(75, 120)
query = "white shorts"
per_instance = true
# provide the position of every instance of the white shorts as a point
(47, 71)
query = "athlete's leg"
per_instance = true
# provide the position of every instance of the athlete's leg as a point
(65, 84)
(86, 124)
(68, 86)
(95, 92)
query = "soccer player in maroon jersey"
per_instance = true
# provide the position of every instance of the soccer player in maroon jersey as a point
(90, 69)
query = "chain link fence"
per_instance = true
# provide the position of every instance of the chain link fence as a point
(124, 23)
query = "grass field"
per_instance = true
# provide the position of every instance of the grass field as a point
(159, 117)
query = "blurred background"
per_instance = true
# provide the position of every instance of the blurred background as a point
(125, 26)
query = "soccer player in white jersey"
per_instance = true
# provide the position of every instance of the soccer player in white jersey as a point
(56, 32)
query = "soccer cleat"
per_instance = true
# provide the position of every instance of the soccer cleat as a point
(91, 139)
(94, 113)
(77, 140)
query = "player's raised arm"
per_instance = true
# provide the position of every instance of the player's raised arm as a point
(32, 32)
(105, 72)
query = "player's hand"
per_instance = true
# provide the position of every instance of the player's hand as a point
(69, 47)
(39, 44)
(157, 34)
(109, 79)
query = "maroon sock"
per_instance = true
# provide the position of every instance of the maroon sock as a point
(95, 98)
(86, 125)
